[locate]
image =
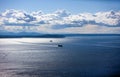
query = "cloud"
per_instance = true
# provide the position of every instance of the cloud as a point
(16, 17)
(60, 21)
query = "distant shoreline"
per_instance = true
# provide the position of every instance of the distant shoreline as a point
(54, 35)
(33, 36)
(92, 34)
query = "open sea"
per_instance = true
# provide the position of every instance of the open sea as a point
(83, 56)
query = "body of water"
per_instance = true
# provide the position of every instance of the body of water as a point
(85, 56)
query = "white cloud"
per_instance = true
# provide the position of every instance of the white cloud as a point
(109, 18)
(60, 21)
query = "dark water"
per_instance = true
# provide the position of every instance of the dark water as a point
(92, 56)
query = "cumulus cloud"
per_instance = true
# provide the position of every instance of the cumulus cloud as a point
(60, 21)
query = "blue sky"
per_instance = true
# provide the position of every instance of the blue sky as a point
(74, 6)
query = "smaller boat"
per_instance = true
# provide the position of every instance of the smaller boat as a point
(51, 41)
(59, 45)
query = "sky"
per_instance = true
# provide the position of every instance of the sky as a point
(74, 6)
(60, 16)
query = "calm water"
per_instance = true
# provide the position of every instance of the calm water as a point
(92, 56)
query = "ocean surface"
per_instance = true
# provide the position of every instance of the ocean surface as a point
(83, 56)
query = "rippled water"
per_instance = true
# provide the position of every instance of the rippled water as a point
(92, 56)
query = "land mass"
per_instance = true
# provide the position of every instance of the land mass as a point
(38, 35)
